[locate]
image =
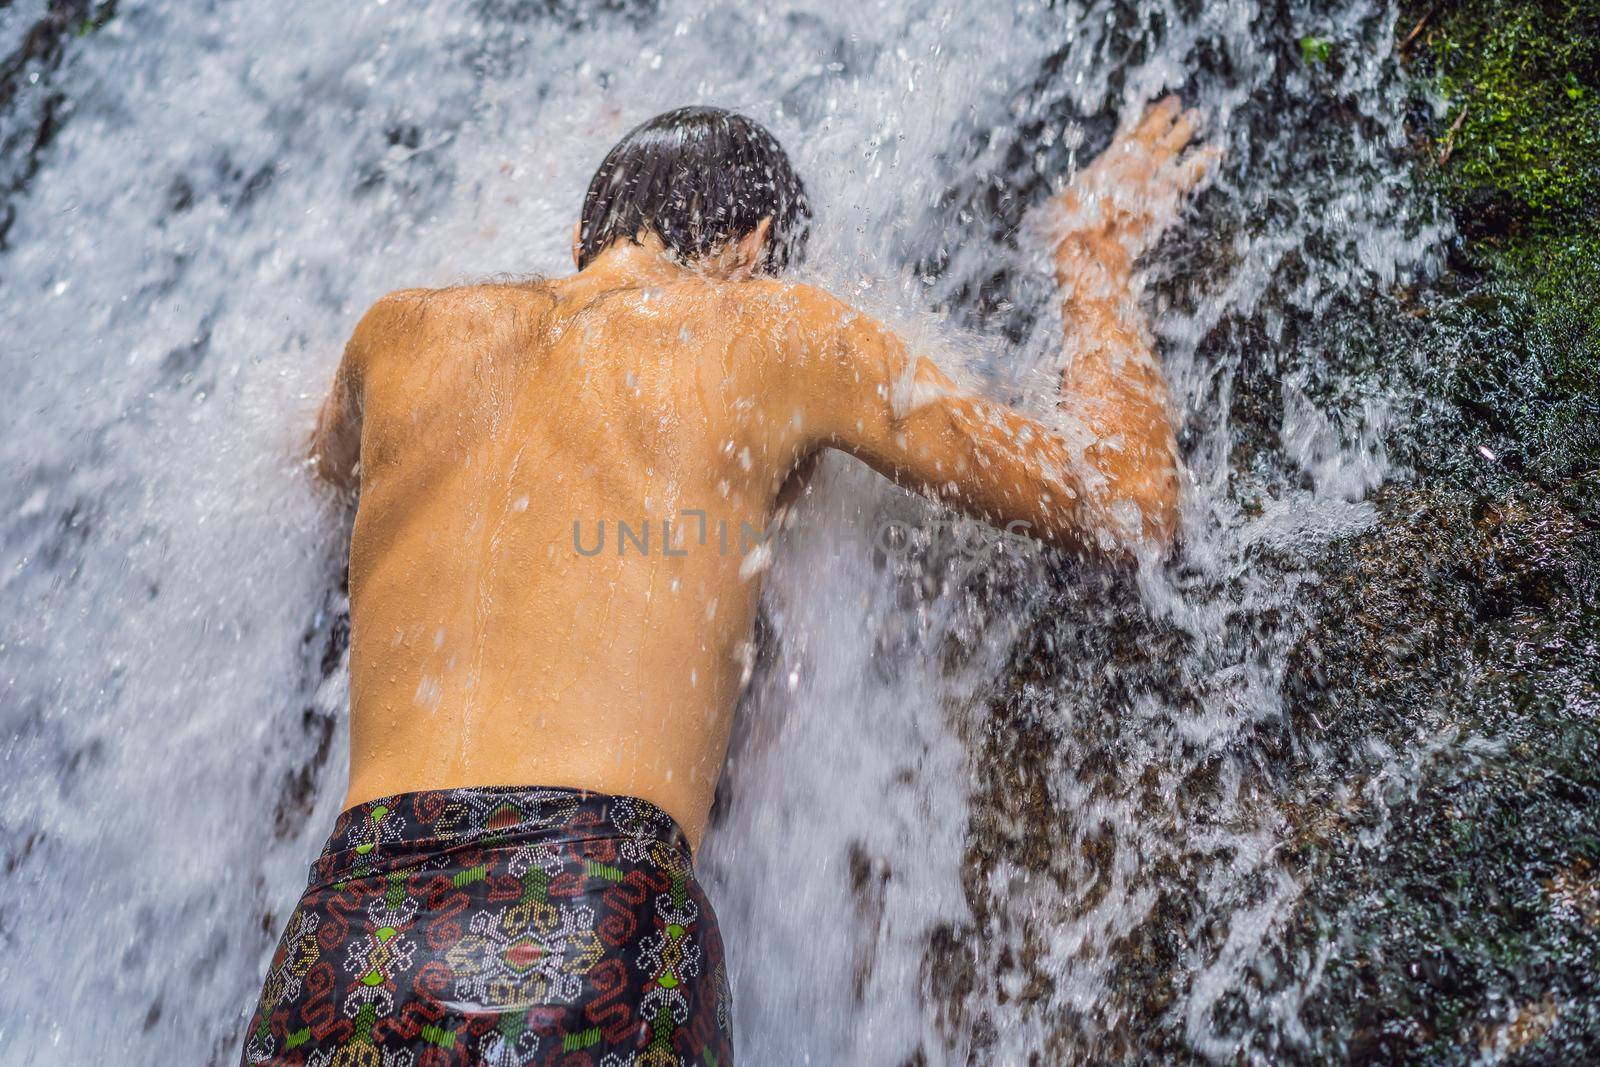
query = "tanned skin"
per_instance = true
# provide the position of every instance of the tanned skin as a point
(480, 423)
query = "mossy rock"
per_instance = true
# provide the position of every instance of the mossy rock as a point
(1515, 152)
(1519, 136)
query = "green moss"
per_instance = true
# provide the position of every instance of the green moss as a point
(1520, 131)
(1314, 50)
(96, 19)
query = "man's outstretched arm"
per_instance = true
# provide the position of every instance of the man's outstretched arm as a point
(1107, 480)
(910, 422)
(1111, 214)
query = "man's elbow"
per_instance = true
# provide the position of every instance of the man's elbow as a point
(1154, 480)
(1160, 507)
(1147, 508)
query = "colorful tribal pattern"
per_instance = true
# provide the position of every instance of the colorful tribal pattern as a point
(498, 926)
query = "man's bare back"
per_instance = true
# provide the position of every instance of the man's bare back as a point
(498, 430)
(512, 430)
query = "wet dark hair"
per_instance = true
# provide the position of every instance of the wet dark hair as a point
(697, 177)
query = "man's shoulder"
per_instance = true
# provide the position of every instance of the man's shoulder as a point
(781, 302)
(415, 308)
(462, 297)
(394, 309)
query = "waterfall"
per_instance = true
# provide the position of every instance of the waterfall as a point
(961, 778)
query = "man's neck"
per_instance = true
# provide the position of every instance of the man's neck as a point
(628, 265)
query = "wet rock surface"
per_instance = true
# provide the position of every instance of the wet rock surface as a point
(1462, 632)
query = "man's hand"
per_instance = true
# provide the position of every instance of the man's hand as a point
(1119, 206)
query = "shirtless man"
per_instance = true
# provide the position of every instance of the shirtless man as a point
(537, 727)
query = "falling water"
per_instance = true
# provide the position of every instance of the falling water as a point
(208, 195)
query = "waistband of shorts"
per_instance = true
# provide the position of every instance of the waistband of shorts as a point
(394, 832)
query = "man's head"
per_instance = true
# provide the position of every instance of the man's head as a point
(701, 179)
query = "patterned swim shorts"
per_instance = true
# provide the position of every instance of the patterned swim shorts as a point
(499, 926)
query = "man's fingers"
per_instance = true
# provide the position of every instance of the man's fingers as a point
(1193, 167)
(1153, 123)
(1178, 135)
(1158, 120)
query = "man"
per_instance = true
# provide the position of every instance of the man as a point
(539, 717)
